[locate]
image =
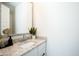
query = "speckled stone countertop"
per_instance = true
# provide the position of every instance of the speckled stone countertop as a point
(17, 50)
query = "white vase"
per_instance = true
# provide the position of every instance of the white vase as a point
(33, 36)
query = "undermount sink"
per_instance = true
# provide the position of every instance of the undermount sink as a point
(27, 45)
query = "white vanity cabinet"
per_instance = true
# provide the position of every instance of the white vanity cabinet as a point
(28, 47)
(40, 50)
(33, 52)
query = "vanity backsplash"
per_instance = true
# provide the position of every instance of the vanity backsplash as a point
(20, 37)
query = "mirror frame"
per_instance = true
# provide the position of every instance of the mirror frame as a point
(12, 21)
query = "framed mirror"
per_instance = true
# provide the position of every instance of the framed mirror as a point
(17, 16)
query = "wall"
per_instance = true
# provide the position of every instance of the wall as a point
(63, 29)
(40, 18)
(23, 17)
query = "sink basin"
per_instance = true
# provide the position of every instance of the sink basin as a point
(27, 45)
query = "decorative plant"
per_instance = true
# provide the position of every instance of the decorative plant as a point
(33, 31)
(7, 31)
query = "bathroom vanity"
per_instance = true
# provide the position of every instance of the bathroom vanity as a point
(39, 50)
(30, 47)
(18, 18)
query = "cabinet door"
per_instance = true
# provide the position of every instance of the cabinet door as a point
(33, 52)
(38, 51)
(42, 50)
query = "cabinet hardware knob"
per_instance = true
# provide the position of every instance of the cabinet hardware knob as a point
(43, 54)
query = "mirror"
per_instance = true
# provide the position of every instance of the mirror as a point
(17, 16)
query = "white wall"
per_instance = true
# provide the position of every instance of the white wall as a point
(40, 18)
(63, 29)
(23, 17)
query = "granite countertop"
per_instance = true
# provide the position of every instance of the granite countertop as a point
(17, 50)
